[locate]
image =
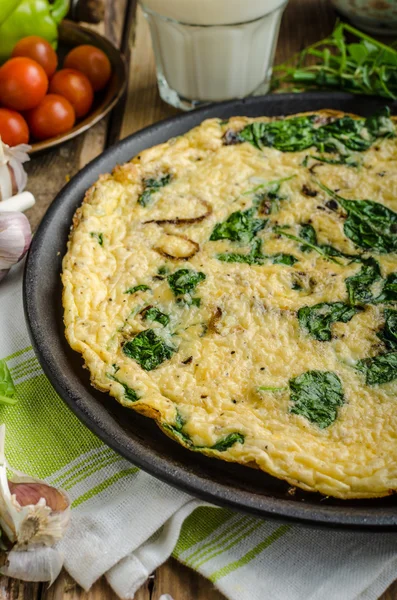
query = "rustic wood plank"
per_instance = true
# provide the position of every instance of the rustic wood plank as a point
(13, 589)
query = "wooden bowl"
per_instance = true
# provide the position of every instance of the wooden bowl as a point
(71, 35)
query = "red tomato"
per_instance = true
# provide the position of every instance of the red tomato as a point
(13, 128)
(53, 116)
(37, 49)
(23, 83)
(75, 87)
(92, 62)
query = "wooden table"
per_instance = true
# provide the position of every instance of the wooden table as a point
(304, 22)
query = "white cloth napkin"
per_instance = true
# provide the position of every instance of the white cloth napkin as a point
(125, 523)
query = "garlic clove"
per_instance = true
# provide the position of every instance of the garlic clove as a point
(44, 564)
(15, 238)
(13, 177)
(32, 513)
(18, 203)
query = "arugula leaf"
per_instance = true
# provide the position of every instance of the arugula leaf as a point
(7, 388)
(185, 281)
(129, 393)
(317, 319)
(221, 445)
(255, 256)
(316, 396)
(137, 288)
(388, 335)
(379, 369)
(148, 350)
(307, 245)
(359, 286)
(154, 314)
(97, 236)
(370, 225)
(151, 186)
(240, 226)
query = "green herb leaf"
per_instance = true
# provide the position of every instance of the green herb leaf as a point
(370, 225)
(151, 186)
(307, 245)
(316, 395)
(379, 369)
(137, 288)
(97, 236)
(221, 445)
(228, 441)
(240, 226)
(317, 319)
(360, 287)
(154, 314)
(389, 290)
(7, 388)
(185, 281)
(388, 335)
(148, 350)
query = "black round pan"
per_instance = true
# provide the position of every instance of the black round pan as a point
(133, 436)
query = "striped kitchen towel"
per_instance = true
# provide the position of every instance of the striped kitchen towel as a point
(125, 523)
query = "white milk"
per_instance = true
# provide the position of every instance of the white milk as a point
(211, 50)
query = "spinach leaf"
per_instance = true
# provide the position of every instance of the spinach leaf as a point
(268, 201)
(151, 186)
(97, 236)
(360, 286)
(154, 314)
(379, 369)
(308, 233)
(299, 133)
(148, 349)
(221, 445)
(389, 290)
(255, 256)
(7, 388)
(240, 226)
(389, 333)
(317, 319)
(317, 395)
(129, 393)
(137, 288)
(347, 159)
(185, 281)
(370, 225)
(306, 244)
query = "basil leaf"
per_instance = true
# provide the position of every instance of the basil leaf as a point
(154, 314)
(185, 281)
(240, 226)
(137, 288)
(317, 319)
(316, 395)
(7, 388)
(151, 186)
(389, 333)
(360, 286)
(148, 350)
(379, 369)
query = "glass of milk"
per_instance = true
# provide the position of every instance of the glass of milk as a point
(212, 50)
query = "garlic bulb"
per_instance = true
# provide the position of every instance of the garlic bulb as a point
(41, 564)
(15, 238)
(13, 177)
(32, 513)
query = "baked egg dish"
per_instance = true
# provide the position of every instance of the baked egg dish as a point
(238, 284)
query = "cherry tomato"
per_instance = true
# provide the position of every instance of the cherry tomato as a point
(53, 116)
(23, 83)
(13, 128)
(92, 62)
(75, 87)
(37, 49)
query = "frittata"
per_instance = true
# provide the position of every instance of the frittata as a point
(238, 284)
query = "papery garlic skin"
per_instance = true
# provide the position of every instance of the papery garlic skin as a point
(42, 564)
(30, 525)
(13, 177)
(15, 238)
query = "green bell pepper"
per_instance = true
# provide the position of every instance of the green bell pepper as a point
(20, 18)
